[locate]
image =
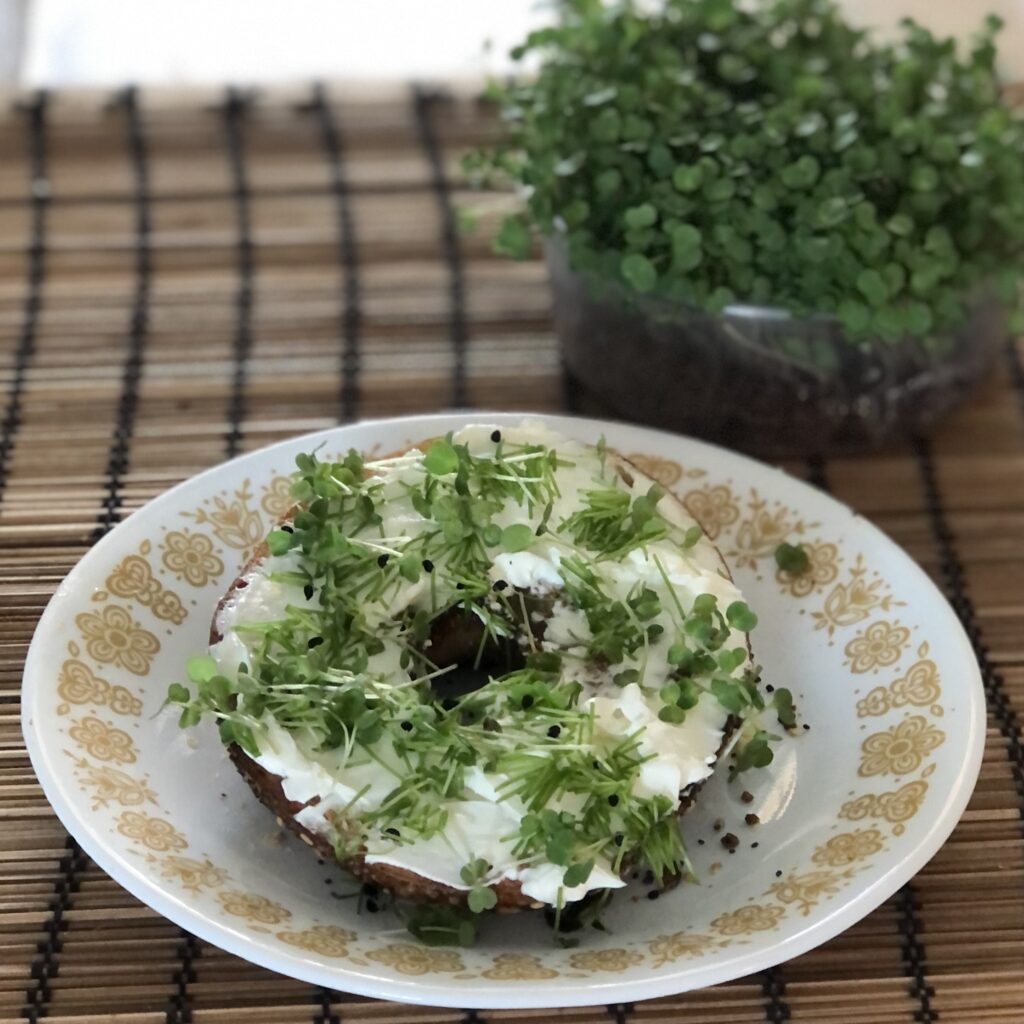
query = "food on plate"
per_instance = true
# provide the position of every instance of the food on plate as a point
(490, 671)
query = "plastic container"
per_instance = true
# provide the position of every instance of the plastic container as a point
(756, 378)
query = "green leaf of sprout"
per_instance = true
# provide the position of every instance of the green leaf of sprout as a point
(740, 617)
(577, 874)
(200, 668)
(178, 694)
(782, 701)
(517, 537)
(280, 541)
(441, 459)
(792, 558)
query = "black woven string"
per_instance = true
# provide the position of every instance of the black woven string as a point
(816, 472)
(912, 948)
(323, 1002)
(348, 256)
(773, 991)
(179, 1006)
(423, 102)
(234, 131)
(620, 1012)
(955, 584)
(39, 192)
(46, 965)
(914, 962)
(138, 329)
(570, 390)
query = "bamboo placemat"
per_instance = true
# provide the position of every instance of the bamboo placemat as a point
(182, 280)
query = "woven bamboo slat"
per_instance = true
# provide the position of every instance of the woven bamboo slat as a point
(185, 277)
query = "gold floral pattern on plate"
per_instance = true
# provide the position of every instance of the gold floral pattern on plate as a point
(417, 960)
(253, 907)
(78, 684)
(880, 645)
(233, 520)
(714, 507)
(822, 569)
(851, 602)
(920, 687)
(154, 833)
(113, 637)
(111, 785)
(849, 847)
(519, 966)
(749, 919)
(900, 749)
(896, 807)
(764, 527)
(190, 556)
(605, 960)
(194, 875)
(277, 497)
(666, 949)
(103, 741)
(325, 939)
(807, 890)
(133, 579)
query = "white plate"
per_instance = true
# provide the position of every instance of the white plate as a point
(850, 810)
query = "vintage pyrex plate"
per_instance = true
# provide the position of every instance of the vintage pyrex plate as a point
(849, 811)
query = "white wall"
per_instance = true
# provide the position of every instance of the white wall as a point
(100, 42)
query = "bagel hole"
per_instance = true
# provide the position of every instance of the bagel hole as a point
(457, 639)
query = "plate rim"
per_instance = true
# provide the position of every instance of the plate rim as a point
(366, 981)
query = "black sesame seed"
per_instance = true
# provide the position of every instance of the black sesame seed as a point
(407, 727)
(308, 591)
(807, 728)
(500, 585)
(371, 906)
(428, 565)
(382, 560)
(527, 702)
(287, 528)
(700, 842)
(770, 688)
(460, 586)
(314, 641)
(391, 832)
(618, 838)
(613, 800)
(754, 846)
(778, 874)
(554, 731)
(653, 894)
(495, 436)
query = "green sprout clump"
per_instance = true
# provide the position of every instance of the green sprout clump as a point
(769, 155)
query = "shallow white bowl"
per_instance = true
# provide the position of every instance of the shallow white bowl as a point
(849, 811)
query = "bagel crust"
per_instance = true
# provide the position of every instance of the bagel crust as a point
(451, 637)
